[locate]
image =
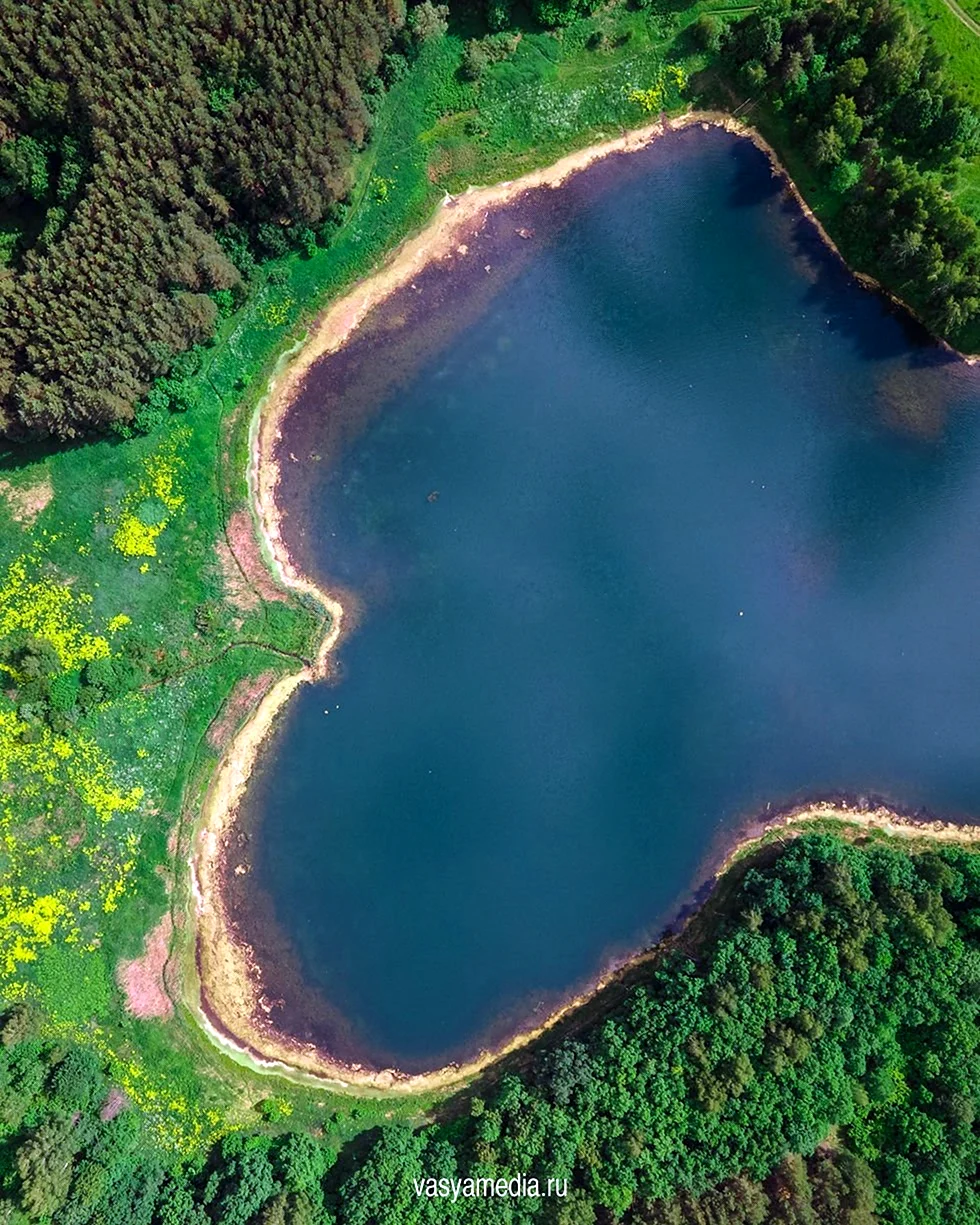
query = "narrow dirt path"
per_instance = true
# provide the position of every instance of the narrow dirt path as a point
(962, 15)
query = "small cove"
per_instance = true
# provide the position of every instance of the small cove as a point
(705, 538)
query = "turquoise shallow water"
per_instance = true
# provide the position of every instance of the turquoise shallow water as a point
(707, 538)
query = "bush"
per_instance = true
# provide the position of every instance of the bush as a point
(707, 32)
(551, 13)
(272, 240)
(63, 692)
(500, 14)
(104, 678)
(149, 416)
(306, 241)
(21, 1024)
(394, 68)
(77, 1081)
(225, 302)
(845, 176)
(428, 20)
(475, 60)
(206, 617)
(274, 1109)
(24, 166)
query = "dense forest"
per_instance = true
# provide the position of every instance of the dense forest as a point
(809, 1053)
(870, 108)
(149, 153)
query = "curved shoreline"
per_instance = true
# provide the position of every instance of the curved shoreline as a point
(265, 1050)
(232, 1007)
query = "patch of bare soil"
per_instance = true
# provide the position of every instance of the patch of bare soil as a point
(247, 558)
(142, 979)
(27, 502)
(234, 583)
(243, 699)
(114, 1104)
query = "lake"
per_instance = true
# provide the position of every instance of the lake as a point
(647, 517)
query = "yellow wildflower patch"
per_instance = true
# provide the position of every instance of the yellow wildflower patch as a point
(277, 313)
(73, 761)
(28, 923)
(677, 74)
(31, 603)
(162, 470)
(649, 100)
(654, 98)
(134, 536)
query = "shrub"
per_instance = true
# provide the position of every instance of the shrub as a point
(77, 1081)
(475, 60)
(63, 692)
(103, 678)
(499, 14)
(845, 176)
(428, 20)
(206, 617)
(707, 32)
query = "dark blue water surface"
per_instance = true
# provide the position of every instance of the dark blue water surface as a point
(707, 537)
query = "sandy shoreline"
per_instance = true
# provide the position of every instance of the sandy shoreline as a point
(247, 1034)
(232, 1007)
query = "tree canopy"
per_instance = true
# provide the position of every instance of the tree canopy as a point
(148, 152)
(869, 105)
(808, 1053)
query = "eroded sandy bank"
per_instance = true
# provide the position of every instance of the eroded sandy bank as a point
(233, 1006)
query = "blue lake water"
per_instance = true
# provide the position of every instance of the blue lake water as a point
(660, 520)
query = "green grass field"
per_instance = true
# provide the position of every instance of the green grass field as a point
(953, 39)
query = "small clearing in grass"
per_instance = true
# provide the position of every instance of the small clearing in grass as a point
(142, 979)
(27, 502)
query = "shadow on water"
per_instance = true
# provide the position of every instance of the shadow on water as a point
(832, 288)
(750, 188)
(858, 317)
(681, 936)
(613, 273)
